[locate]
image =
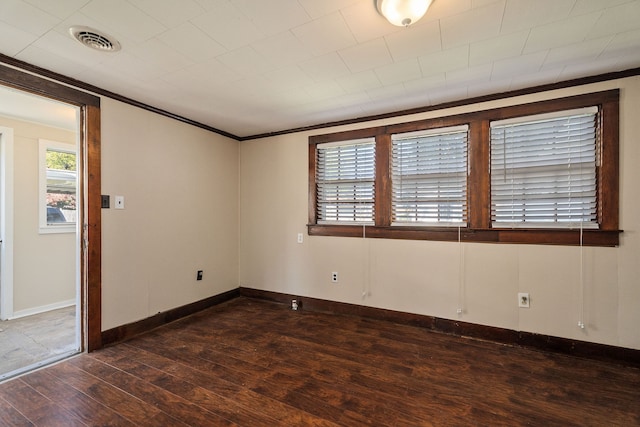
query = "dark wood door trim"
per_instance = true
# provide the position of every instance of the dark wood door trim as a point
(92, 209)
(90, 263)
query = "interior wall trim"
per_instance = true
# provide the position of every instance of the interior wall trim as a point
(546, 343)
(128, 331)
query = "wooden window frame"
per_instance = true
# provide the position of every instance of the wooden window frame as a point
(479, 181)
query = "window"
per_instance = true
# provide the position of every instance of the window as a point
(543, 170)
(58, 187)
(345, 181)
(540, 173)
(429, 177)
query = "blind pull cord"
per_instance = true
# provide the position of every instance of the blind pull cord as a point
(581, 298)
(581, 293)
(365, 263)
(461, 277)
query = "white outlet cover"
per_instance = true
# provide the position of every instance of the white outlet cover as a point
(524, 301)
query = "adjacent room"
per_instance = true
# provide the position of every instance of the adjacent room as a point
(319, 212)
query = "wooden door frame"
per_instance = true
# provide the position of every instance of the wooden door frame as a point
(89, 190)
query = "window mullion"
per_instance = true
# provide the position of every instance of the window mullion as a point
(479, 184)
(383, 181)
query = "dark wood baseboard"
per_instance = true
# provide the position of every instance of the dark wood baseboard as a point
(125, 332)
(583, 349)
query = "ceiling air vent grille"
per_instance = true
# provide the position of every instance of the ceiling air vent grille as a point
(94, 39)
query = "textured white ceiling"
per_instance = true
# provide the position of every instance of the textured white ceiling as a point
(250, 67)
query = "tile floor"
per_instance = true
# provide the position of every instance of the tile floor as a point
(32, 341)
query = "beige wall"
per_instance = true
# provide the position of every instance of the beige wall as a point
(44, 264)
(180, 185)
(196, 200)
(424, 277)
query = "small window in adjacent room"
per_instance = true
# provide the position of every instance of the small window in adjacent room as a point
(58, 187)
(543, 170)
(429, 177)
(345, 178)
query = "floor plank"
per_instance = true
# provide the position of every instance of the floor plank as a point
(10, 417)
(89, 411)
(134, 410)
(36, 407)
(173, 405)
(255, 363)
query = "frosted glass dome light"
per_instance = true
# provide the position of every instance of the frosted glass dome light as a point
(403, 12)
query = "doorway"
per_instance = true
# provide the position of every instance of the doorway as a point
(85, 224)
(40, 254)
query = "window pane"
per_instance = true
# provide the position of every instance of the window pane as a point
(61, 187)
(429, 174)
(345, 176)
(543, 171)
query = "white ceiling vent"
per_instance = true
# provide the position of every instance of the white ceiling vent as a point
(94, 39)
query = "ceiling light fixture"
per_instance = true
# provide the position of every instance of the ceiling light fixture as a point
(403, 12)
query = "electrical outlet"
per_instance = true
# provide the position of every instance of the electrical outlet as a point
(300, 237)
(199, 275)
(523, 300)
(334, 277)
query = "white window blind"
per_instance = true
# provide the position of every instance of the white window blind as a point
(543, 170)
(429, 176)
(345, 178)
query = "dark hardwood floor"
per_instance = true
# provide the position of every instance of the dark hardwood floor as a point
(255, 363)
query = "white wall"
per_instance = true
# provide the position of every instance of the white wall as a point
(180, 185)
(44, 264)
(424, 277)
